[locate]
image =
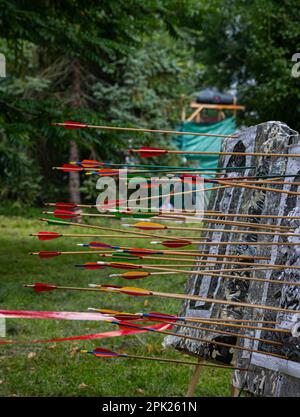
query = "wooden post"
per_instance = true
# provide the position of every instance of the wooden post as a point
(195, 379)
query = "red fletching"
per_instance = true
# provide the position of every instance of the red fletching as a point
(48, 254)
(65, 214)
(40, 287)
(71, 168)
(141, 251)
(175, 243)
(105, 353)
(99, 245)
(88, 163)
(155, 316)
(107, 172)
(74, 125)
(48, 235)
(146, 152)
(93, 265)
(123, 265)
(65, 206)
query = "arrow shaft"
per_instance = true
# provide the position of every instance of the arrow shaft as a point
(256, 187)
(225, 302)
(277, 155)
(224, 332)
(137, 129)
(203, 340)
(207, 261)
(92, 226)
(235, 231)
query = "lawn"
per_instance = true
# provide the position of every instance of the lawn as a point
(56, 369)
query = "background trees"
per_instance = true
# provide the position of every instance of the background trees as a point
(128, 62)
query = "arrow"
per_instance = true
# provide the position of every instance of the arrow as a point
(60, 222)
(157, 316)
(196, 262)
(54, 235)
(123, 265)
(39, 287)
(78, 125)
(167, 243)
(90, 226)
(167, 318)
(105, 353)
(199, 328)
(146, 152)
(67, 214)
(119, 263)
(96, 164)
(158, 226)
(71, 206)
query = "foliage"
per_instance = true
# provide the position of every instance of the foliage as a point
(114, 64)
(249, 45)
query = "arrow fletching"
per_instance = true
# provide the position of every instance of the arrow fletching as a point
(107, 172)
(64, 206)
(120, 256)
(135, 275)
(71, 168)
(135, 291)
(69, 125)
(40, 287)
(123, 265)
(48, 235)
(146, 152)
(101, 245)
(105, 353)
(55, 222)
(89, 163)
(149, 226)
(46, 254)
(91, 265)
(65, 214)
(155, 316)
(175, 243)
(119, 315)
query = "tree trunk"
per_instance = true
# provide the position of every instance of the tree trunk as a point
(76, 102)
(74, 177)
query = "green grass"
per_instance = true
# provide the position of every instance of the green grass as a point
(56, 369)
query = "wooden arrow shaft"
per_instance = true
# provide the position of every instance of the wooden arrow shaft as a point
(138, 129)
(207, 261)
(236, 231)
(213, 322)
(256, 187)
(277, 155)
(213, 342)
(152, 358)
(218, 331)
(92, 226)
(213, 274)
(225, 302)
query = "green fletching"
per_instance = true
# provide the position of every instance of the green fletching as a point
(54, 221)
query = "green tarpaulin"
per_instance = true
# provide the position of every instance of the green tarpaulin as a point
(204, 143)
